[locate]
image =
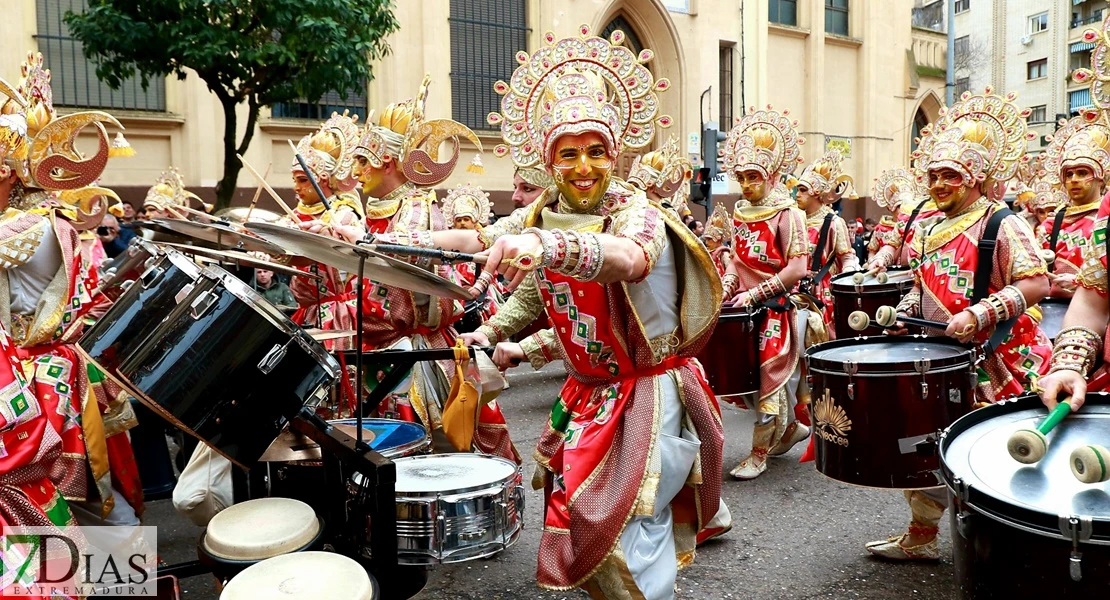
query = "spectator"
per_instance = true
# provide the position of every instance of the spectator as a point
(859, 244)
(114, 238)
(276, 292)
(128, 214)
(697, 227)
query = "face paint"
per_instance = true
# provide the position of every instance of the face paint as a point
(753, 185)
(304, 190)
(1081, 185)
(806, 200)
(367, 174)
(947, 189)
(582, 169)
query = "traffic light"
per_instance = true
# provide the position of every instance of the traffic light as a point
(701, 187)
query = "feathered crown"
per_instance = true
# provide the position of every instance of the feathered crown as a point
(169, 190)
(666, 170)
(329, 152)
(402, 133)
(826, 176)
(982, 137)
(467, 201)
(895, 187)
(1081, 140)
(764, 140)
(573, 85)
(719, 225)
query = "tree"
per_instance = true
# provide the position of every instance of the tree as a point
(260, 52)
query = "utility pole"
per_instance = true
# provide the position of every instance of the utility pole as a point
(950, 58)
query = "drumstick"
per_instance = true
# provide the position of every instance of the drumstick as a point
(257, 193)
(1028, 446)
(198, 213)
(173, 209)
(443, 256)
(270, 190)
(858, 321)
(1089, 463)
(875, 272)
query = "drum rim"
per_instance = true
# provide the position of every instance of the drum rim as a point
(836, 284)
(831, 367)
(422, 443)
(515, 474)
(1000, 509)
(750, 311)
(1055, 301)
(204, 553)
(181, 261)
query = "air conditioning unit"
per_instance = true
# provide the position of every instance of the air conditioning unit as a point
(1026, 40)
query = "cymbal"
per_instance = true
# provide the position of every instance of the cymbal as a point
(345, 256)
(321, 335)
(155, 227)
(221, 234)
(291, 446)
(240, 258)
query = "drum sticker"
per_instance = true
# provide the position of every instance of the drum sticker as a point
(833, 423)
(954, 396)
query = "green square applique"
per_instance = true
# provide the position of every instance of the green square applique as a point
(19, 405)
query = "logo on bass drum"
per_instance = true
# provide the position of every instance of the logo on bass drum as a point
(832, 422)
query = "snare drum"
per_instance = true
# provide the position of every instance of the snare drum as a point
(138, 259)
(1052, 315)
(228, 367)
(731, 356)
(849, 296)
(1027, 531)
(241, 535)
(303, 576)
(454, 507)
(876, 398)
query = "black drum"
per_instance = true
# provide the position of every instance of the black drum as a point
(731, 356)
(1052, 315)
(849, 296)
(229, 368)
(152, 454)
(139, 258)
(140, 311)
(474, 311)
(876, 398)
(1027, 531)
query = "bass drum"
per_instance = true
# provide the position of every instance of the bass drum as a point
(731, 356)
(849, 296)
(876, 398)
(229, 368)
(138, 259)
(1027, 531)
(1052, 315)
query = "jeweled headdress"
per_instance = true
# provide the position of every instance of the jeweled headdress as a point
(573, 85)
(536, 177)
(665, 170)
(467, 201)
(1081, 140)
(329, 152)
(764, 140)
(982, 137)
(402, 134)
(169, 190)
(826, 176)
(895, 187)
(719, 225)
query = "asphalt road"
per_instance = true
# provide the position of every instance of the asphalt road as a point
(796, 534)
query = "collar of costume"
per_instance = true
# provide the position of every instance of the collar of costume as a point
(310, 209)
(467, 201)
(896, 188)
(818, 216)
(1082, 208)
(764, 140)
(824, 175)
(950, 227)
(982, 137)
(774, 202)
(329, 152)
(665, 171)
(574, 85)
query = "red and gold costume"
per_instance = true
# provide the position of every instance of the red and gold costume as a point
(719, 232)
(468, 207)
(664, 175)
(897, 190)
(825, 180)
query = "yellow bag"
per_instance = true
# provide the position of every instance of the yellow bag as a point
(460, 412)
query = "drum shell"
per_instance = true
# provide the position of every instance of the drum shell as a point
(202, 371)
(731, 356)
(137, 259)
(472, 316)
(849, 297)
(888, 415)
(1052, 315)
(138, 313)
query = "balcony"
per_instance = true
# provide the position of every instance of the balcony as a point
(1094, 18)
(930, 49)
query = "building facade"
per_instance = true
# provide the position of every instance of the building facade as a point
(856, 74)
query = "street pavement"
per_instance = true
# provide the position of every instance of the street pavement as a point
(796, 534)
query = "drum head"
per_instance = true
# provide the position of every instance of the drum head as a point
(260, 529)
(302, 576)
(885, 354)
(1052, 315)
(450, 473)
(973, 450)
(389, 437)
(897, 278)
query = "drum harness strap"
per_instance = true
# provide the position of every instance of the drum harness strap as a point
(983, 270)
(1057, 223)
(913, 217)
(819, 268)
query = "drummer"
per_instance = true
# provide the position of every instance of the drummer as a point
(662, 175)
(898, 191)
(718, 235)
(467, 207)
(1078, 159)
(960, 163)
(167, 193)
(402, 203)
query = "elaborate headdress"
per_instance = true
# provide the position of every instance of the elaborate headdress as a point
(826, 176)
(467, 201)
(402, 134)
(982, 137)
(719, 225)
(1034, 187)
(896, 187)
(329, 152)
(764, 140)
(666, 170)
(169, 190)
(536, 177)
(573, 85)
(1081, 140)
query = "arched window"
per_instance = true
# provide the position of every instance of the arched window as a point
(632, 41)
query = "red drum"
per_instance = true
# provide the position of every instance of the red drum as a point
(876, 398)
(849, 296)
(731, 356)
(1026, 531)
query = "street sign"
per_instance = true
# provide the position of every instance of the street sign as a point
(843, 144)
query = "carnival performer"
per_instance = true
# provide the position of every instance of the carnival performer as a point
(898, 191)
(528, 184)
(770, 256)
(635, 413)
(1077, 160)
(393, 162)
(168, 193)
(975, 145)
(45, 275)
(718, 234)
(820, 185)
(663, 175)
(468, 207)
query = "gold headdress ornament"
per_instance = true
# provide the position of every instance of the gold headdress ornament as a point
(1035, 190)
(573, 85)
(665, 170)
(402, 134)
(826, 177)
(536, 177)
(467, 201)
(1098, 76)
(764, 140)
(329, 152)
(1081, 140)
(982, 137)
(13, 130)
(896, 187)
(121, 148)
(169, 190)
(719, 225)
(89, 206)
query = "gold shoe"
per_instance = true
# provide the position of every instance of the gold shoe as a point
(892, 549)
(795, 432)
(749, 468)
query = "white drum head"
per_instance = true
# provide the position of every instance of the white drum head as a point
(301, 576)
(450, 472)
(260, 529)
